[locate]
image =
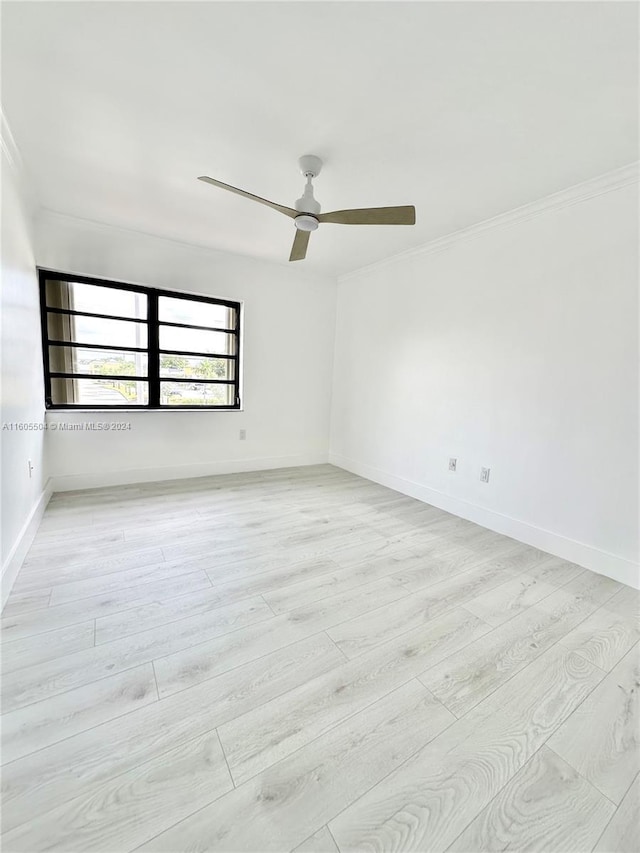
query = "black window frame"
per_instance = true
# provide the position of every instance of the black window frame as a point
(152, 350)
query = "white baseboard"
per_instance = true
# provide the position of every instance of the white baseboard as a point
(618, 568)
(127, 476)
(23, 542)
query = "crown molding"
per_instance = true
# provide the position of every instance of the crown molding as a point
(9, 147)
(610, 181)
(13, 158)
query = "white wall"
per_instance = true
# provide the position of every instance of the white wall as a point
(23, 497)
(516, 350)
(289, 323)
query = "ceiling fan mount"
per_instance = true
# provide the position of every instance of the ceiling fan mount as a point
(310, 165)
(306, 213)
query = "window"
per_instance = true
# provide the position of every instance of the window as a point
(109, 345)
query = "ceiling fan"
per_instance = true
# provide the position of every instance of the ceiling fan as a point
(307, 216)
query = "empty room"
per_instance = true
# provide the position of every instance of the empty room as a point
(319, 445)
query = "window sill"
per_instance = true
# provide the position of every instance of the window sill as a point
(137, 409)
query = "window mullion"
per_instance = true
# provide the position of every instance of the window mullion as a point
(154, 351)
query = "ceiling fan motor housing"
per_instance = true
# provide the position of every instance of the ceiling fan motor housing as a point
(306, 222)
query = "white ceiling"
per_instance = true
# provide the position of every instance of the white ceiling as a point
(464, 109)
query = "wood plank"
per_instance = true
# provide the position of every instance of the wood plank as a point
(360, 552)
(224, 591)
(294, 798)
(602, 739)
(288, 597)
(430, 800)
(72, 549)
(191, 666)
(358, 635)
(43, 723)
(241, 561)
(124, 565)
(82, 764)
(33, 650)
(626, 602)
(38, 682)
(266, 734)
(470, 675)
(42, 621)
(116, 581)
(274, 579)
(22, 602)
(522, 591)
(609, 633)
(130, 809)
(63, 572)
(546, 806)
(406, 522)
(509, 557)
(306, 541)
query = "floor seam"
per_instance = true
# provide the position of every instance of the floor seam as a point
(155, 678)
(345, 658)
(268, 605)
(606, 826)
(226, 760)
(580, 774)
(331, 834)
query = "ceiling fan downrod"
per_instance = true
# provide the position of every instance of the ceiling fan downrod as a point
(309, 208)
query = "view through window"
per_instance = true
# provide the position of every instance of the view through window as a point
(119, 345)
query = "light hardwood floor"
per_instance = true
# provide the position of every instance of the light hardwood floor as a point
(304, 660)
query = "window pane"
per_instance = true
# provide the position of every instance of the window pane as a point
(196, 340)
(93, 330)
(196, 394)
(113, 363)
(194, 313)
(99, 392)
(76, 296)
(196, 367)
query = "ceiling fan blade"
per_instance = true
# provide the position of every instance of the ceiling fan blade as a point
(372, 216)
(288, 211)
(300, 243)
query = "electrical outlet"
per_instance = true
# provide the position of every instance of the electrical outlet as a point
(243, 435)
(484, 475)
(453, 463)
